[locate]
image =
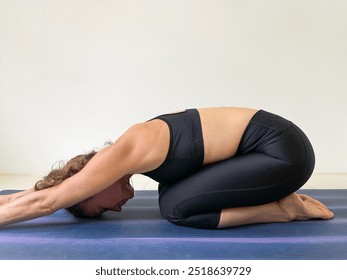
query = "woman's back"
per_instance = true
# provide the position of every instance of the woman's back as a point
(222, 130)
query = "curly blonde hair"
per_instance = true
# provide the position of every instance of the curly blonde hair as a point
(64, 171)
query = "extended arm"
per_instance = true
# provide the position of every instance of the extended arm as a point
(99, 174)
(130, 154)
(27, 206)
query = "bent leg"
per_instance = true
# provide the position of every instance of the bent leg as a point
(247, 180)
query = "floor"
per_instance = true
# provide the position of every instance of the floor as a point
(317, 181)
(141, 233)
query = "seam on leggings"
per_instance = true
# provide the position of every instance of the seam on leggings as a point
(301, 139)
(279, 133)
(271, 128)
(273, 157)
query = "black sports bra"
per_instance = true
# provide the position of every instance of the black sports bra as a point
(186, 150)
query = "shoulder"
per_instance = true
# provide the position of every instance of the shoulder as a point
(148, 144)
(142, 133)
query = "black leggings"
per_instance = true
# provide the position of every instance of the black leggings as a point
(274, 159)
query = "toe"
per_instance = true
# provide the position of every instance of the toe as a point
(307, 198)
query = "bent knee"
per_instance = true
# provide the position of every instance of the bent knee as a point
(170, 214)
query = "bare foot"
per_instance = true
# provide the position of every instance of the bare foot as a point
(303, 207)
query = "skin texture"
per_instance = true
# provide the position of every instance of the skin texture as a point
(142, 148)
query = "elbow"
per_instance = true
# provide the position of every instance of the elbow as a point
(45, 208)
(45, 202)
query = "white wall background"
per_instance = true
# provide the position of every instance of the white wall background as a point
(76, 73)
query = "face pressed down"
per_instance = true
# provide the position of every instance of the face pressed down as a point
(110, 199)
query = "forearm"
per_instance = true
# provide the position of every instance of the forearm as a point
(33, 204)
(9, 197)
(26, 207)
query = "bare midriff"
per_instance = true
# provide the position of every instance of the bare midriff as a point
(222, 130)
